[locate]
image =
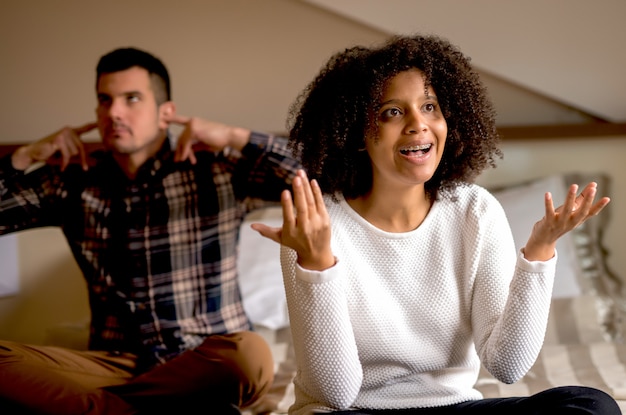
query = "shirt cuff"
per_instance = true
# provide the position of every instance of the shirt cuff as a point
(318, 277)
(537, 266)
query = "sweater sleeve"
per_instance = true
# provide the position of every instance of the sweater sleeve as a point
(329, 369)
(510, 301)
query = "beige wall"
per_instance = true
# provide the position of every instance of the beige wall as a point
(236, 61)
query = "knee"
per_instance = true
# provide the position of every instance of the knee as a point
(601, 402)
(16, 359)
(254, 351)
(590, 401)
(249, 360)
(10, 369)
(9, 353)
(256, 366)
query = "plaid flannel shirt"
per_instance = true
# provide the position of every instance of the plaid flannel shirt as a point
(158, 252)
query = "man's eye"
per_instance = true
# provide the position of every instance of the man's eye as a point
(133, 98)
(104, 101)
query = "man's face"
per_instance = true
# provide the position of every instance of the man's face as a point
(129, 118)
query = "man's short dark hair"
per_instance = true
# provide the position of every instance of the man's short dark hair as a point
(125, 58)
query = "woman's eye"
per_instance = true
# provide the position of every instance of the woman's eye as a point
(430, 107)
(391, 112)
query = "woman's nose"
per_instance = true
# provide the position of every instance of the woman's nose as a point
(415, 123)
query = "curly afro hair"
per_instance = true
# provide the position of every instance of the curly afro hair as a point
(331, 117)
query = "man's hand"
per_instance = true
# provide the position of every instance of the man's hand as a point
(65, 141)
(200, 134)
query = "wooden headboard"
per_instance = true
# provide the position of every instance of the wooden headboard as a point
(569, 131)
(7, 149)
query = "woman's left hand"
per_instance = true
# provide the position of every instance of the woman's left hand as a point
(557, 222)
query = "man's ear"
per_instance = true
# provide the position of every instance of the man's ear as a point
(166, 110)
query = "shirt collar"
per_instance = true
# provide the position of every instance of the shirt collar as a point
(163, 157)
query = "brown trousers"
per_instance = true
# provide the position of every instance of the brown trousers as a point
(224, 371)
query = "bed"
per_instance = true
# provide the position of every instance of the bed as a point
(584, 343)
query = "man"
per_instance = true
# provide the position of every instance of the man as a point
(154, 229)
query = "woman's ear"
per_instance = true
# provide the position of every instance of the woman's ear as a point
(166, 111)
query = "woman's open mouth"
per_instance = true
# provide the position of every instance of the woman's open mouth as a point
(416, 150)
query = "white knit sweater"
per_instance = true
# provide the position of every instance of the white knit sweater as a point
(404, 320)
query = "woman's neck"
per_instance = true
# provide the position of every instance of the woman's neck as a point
(393, 211)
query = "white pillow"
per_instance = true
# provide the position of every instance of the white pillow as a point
(260, 275)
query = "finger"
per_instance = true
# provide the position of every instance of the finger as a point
(63, 143)
(176, 119)
(286, 202)
(83, 157)
(80, 149)
(308, 193)
(319, 197)
(66, 155)
(70, 144)
(178, 152)
(192, 156)
(84, 128)
(299, 197)
(181, 148)
(549, 206)
(585, 201)
(186, 153)
(267, 231)
(587, 196)
(570, 199)
(601, 204)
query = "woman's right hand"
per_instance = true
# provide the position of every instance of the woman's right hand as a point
(306, 225)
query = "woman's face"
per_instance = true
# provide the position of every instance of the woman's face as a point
(411, 132)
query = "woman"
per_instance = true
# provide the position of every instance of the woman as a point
(402, 279)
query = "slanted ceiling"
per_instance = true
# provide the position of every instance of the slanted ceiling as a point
(554, 62)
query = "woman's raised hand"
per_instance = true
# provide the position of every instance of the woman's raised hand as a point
(306, 226)
(557, 222)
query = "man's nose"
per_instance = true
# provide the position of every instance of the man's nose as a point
(116, 109)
